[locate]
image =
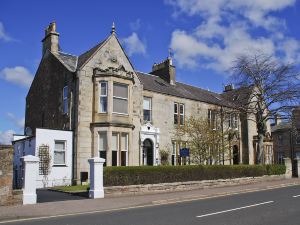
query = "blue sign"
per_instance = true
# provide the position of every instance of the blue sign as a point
(184, 152)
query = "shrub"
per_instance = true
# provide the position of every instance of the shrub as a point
(164, 157)
(133, 175)
(275, 169)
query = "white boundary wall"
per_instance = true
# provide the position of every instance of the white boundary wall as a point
(59, 175)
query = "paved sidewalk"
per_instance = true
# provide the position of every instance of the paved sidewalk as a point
(117, 203)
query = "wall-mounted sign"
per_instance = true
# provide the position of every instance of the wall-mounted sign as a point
(184, 152)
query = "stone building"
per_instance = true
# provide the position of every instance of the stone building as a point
(120, 114)
(287, 138)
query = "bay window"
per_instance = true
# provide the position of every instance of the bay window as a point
(103, 97)
(124, 149)
(114, 149)
(102, 145)
(120, 98)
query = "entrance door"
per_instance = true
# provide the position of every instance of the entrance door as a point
(235, 153)
(148, 151)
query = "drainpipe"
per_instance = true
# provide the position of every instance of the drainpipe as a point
(74, 159)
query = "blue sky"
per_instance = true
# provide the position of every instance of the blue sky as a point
(205, 37)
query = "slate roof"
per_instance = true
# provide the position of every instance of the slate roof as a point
(238, 96)
(69, 61)
(86, 55)
(281, 126)
(156, 84)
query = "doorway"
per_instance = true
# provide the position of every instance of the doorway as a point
(236, 155)
(148, 151)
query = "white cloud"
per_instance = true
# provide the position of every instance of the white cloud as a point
(18, 75)
(229, 28)
(3, 35)
(17, 122)
(134, 45)
(6, 137)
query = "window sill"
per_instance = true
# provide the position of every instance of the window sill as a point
(120, 114)
(59, 165)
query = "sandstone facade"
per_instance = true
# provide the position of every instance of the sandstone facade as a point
(104, 71)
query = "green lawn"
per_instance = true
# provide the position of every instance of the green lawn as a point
(72, 189)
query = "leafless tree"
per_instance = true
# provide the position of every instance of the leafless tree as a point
(276, 89)
(206, 144)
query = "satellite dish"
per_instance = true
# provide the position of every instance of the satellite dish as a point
(28, 131)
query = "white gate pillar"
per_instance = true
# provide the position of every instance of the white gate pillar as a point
(96, 177)
(288, 165)
(31, 167)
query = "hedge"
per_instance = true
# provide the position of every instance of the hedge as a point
(133, 175)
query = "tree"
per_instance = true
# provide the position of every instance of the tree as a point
(276, 89)
(206, 144)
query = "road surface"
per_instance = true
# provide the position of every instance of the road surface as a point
(271, 207)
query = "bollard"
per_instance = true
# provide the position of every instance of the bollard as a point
(96, 177)
(288, 171)
(31, 167)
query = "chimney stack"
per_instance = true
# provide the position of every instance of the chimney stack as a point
(165, 70)
(278, 119)
(50, 40)
(228, 87)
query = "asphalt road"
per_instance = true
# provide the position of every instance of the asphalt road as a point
(44, 195)
(275, 207)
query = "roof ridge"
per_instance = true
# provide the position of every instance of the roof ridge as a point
(68, 54)
(148, 74)
(198, 88)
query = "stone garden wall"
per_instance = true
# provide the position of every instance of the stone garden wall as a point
(7, 195)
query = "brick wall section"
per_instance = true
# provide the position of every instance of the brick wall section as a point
(7, 195)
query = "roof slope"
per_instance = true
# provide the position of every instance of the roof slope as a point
(69, 61)
(156, 84)
(88, 54)
(239, 96)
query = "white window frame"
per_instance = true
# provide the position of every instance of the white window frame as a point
(150, 100)
(235, 121)
(117, 97)
(118, 147)
(127, 146)
(100, 110)
(176, 113)
(65, 98)
(59, 150)
(105, 148)
(211, 124)
(181, 114)
(174, 152)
